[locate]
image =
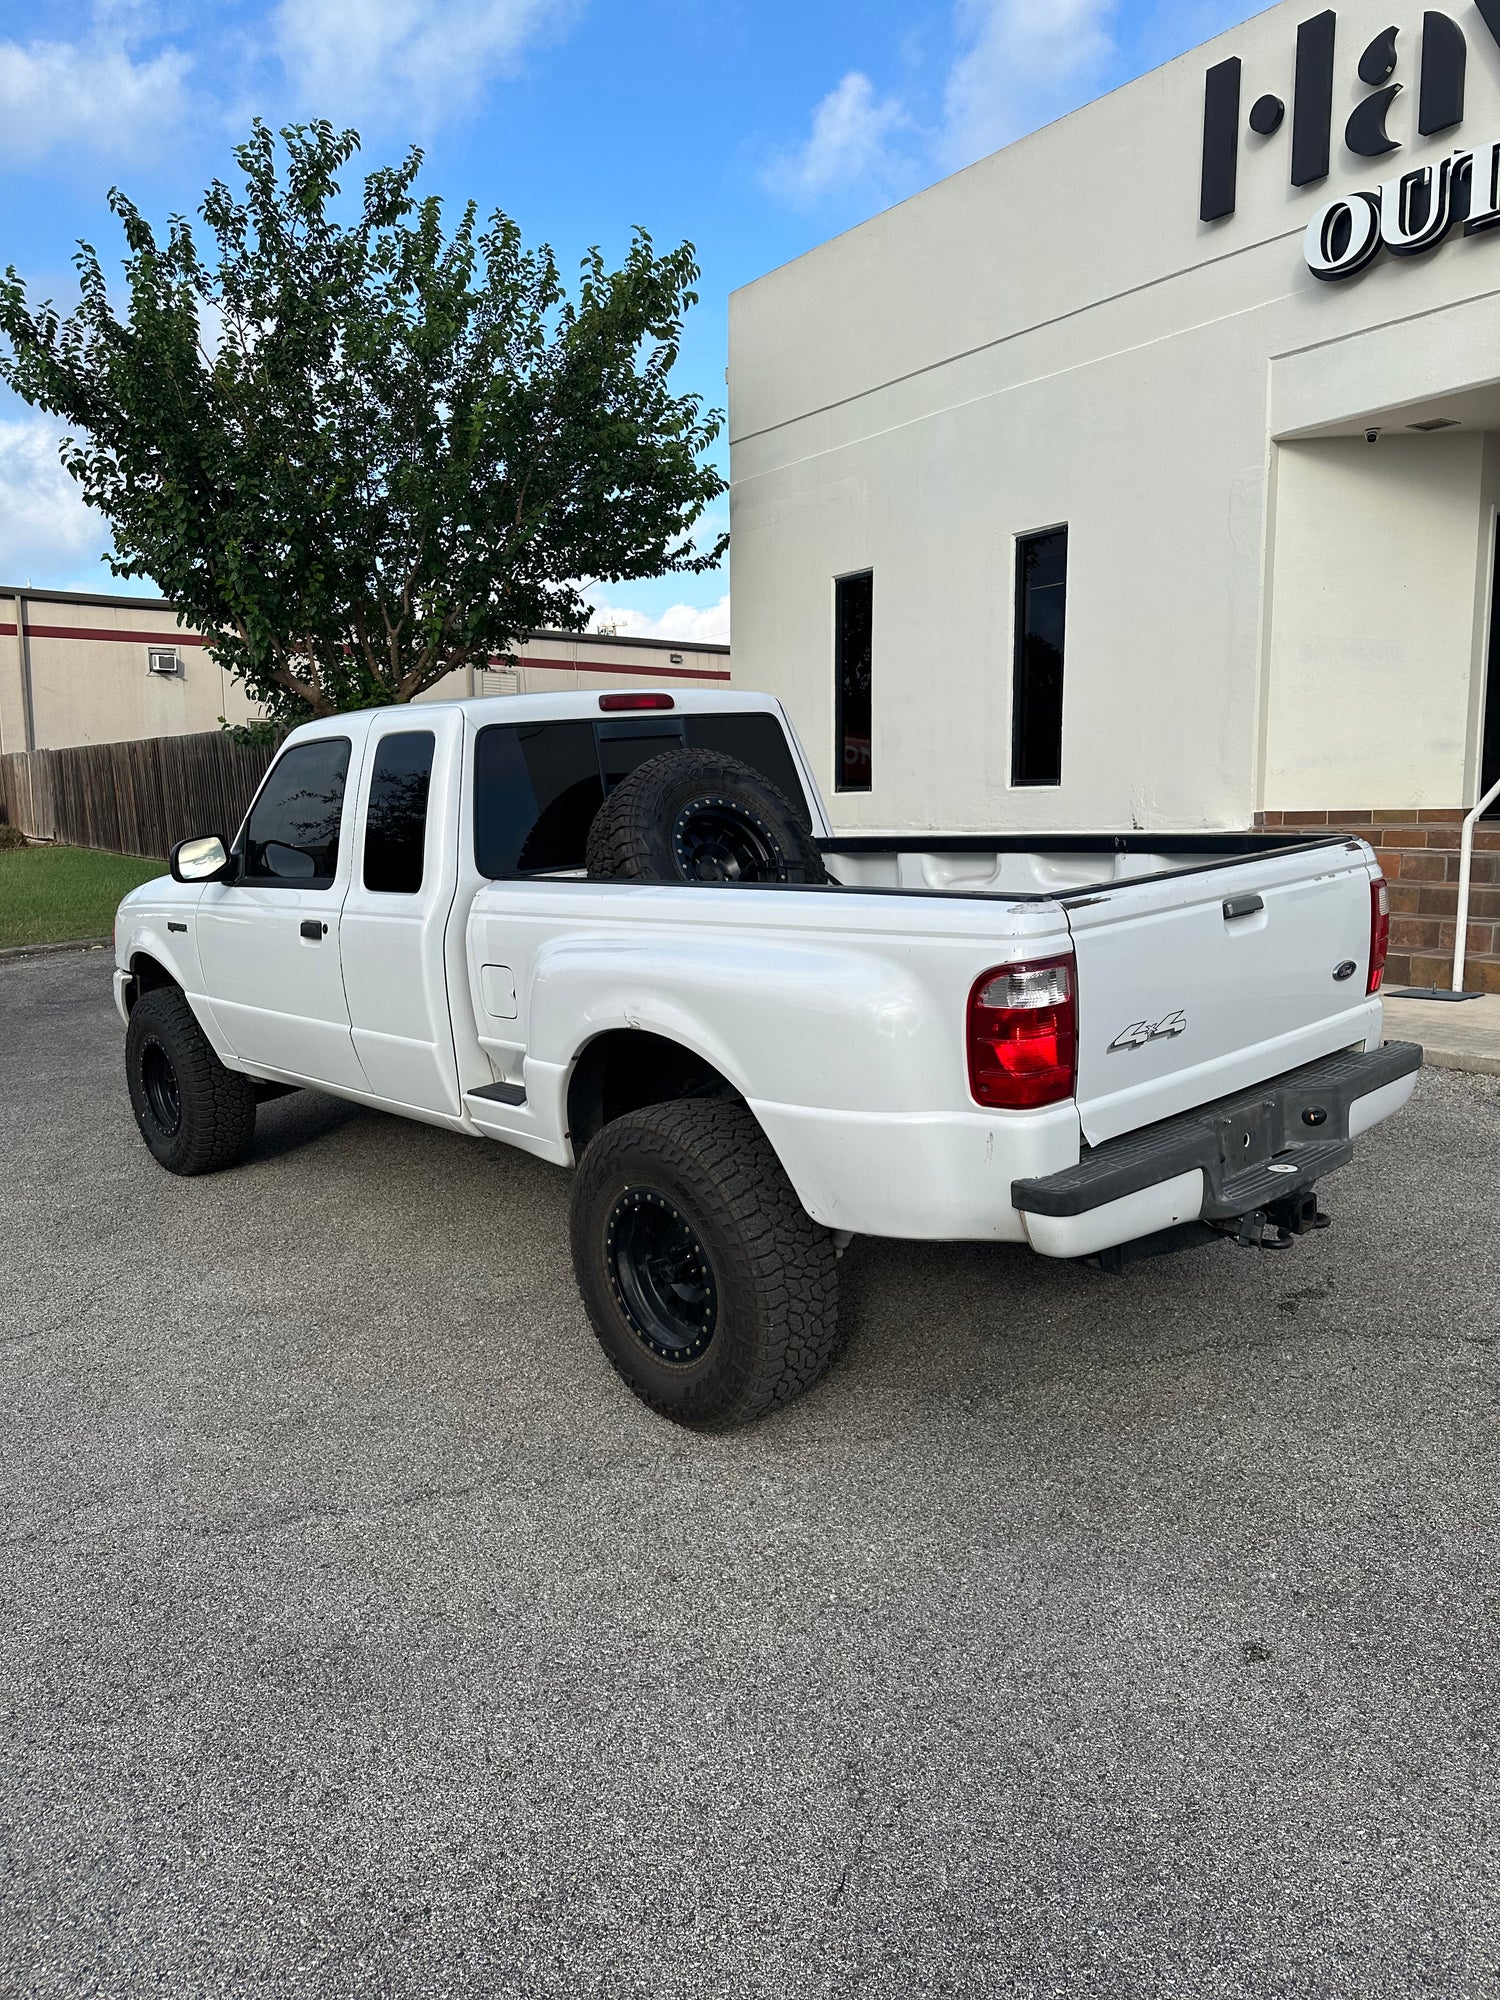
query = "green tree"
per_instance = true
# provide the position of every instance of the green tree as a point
(361, 453)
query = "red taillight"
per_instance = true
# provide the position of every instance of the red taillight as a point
(613, 703)
(1023, 1034)
(1380, 932)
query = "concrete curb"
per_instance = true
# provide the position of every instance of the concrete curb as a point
(1476, 1065)
(46, 950)
(1463, 1035)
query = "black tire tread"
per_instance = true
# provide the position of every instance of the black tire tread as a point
(789, 1260)
(218, 1104)
(619, 843)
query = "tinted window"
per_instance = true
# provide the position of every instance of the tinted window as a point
(292, 834)
(396, 821)
(537, 786)
(853, 645)
(623, 745)
(1041, 618)
(1489, 769)
(536, 790)
(757, 740)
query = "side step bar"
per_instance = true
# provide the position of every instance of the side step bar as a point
(500, 1093)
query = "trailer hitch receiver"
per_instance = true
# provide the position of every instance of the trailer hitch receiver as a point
(1274, 1226)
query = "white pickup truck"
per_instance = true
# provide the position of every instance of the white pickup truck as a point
(618, 932)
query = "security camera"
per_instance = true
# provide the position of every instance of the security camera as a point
(1372, 434)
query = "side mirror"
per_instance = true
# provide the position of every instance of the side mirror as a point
(203, 860)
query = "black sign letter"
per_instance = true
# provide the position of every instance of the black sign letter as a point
(1312, 101)
(1440, 101)
(1221, 139)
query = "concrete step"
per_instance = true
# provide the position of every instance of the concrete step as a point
(1461, 1034)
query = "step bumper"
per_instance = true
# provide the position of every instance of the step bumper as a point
(1221, 1161)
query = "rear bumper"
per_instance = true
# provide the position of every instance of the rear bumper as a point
(1221, 1161)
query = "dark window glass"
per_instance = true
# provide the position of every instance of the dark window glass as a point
(853, 633)
(292, 834)
(1489, 756)
(538, 785)
(396, 822)
(623, 745)
(757, 740)
(536, 790)
(1037, 693)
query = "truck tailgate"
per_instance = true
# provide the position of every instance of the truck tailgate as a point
(1201, 982)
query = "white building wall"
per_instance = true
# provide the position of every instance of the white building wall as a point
(1053, 336)
(1379, 555)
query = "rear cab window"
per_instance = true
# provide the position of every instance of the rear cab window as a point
(396, 815)
(537, 785)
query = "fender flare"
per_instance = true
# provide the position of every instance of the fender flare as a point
(150, 942)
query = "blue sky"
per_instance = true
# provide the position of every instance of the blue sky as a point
(755, 130)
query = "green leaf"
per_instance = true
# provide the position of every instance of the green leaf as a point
(362, 453)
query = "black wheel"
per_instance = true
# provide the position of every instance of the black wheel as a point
(195, 1115)
(712, 1291)
(697, 816)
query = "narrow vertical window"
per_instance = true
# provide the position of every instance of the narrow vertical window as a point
(853, 628)
(1489, 750)
(1037, 696)
(396, 822)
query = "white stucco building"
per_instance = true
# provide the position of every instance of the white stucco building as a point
(1257, 611)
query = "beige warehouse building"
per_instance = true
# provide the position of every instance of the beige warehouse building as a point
(76, 668)
(1146, 473)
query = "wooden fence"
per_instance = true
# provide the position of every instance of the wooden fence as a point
(132, 798)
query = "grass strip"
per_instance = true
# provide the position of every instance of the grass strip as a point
(49, 895)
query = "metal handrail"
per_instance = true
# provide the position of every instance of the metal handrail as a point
(1465, 863)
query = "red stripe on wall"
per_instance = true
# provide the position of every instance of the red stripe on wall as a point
(115, 637)
(643, 673)
(119, 637)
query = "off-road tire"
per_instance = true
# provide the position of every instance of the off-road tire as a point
(637, 832)
(215, 1122)
(775, 1270)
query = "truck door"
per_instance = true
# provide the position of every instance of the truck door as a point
(268, 942)
(400, 894)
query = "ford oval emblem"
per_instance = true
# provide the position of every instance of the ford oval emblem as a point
(1346, 970)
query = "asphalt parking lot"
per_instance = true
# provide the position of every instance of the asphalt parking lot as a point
(1080, 1635)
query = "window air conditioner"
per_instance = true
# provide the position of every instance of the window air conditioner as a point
(163, 660)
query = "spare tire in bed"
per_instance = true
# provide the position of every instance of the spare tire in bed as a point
(698, 816)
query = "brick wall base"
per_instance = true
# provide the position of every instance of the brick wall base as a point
(1418, 849)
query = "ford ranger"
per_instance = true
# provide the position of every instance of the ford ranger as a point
(619, 932)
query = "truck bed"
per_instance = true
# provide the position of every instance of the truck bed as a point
(1031, 865)
(1206, 962)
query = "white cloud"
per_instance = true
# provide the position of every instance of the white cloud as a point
(422, 60)
(1016, 65)
(854, 143)
(46, 532)
(685, 623)
(92, 95)
(1025, 62)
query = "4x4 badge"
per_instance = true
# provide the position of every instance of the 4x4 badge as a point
(1139, 1033)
